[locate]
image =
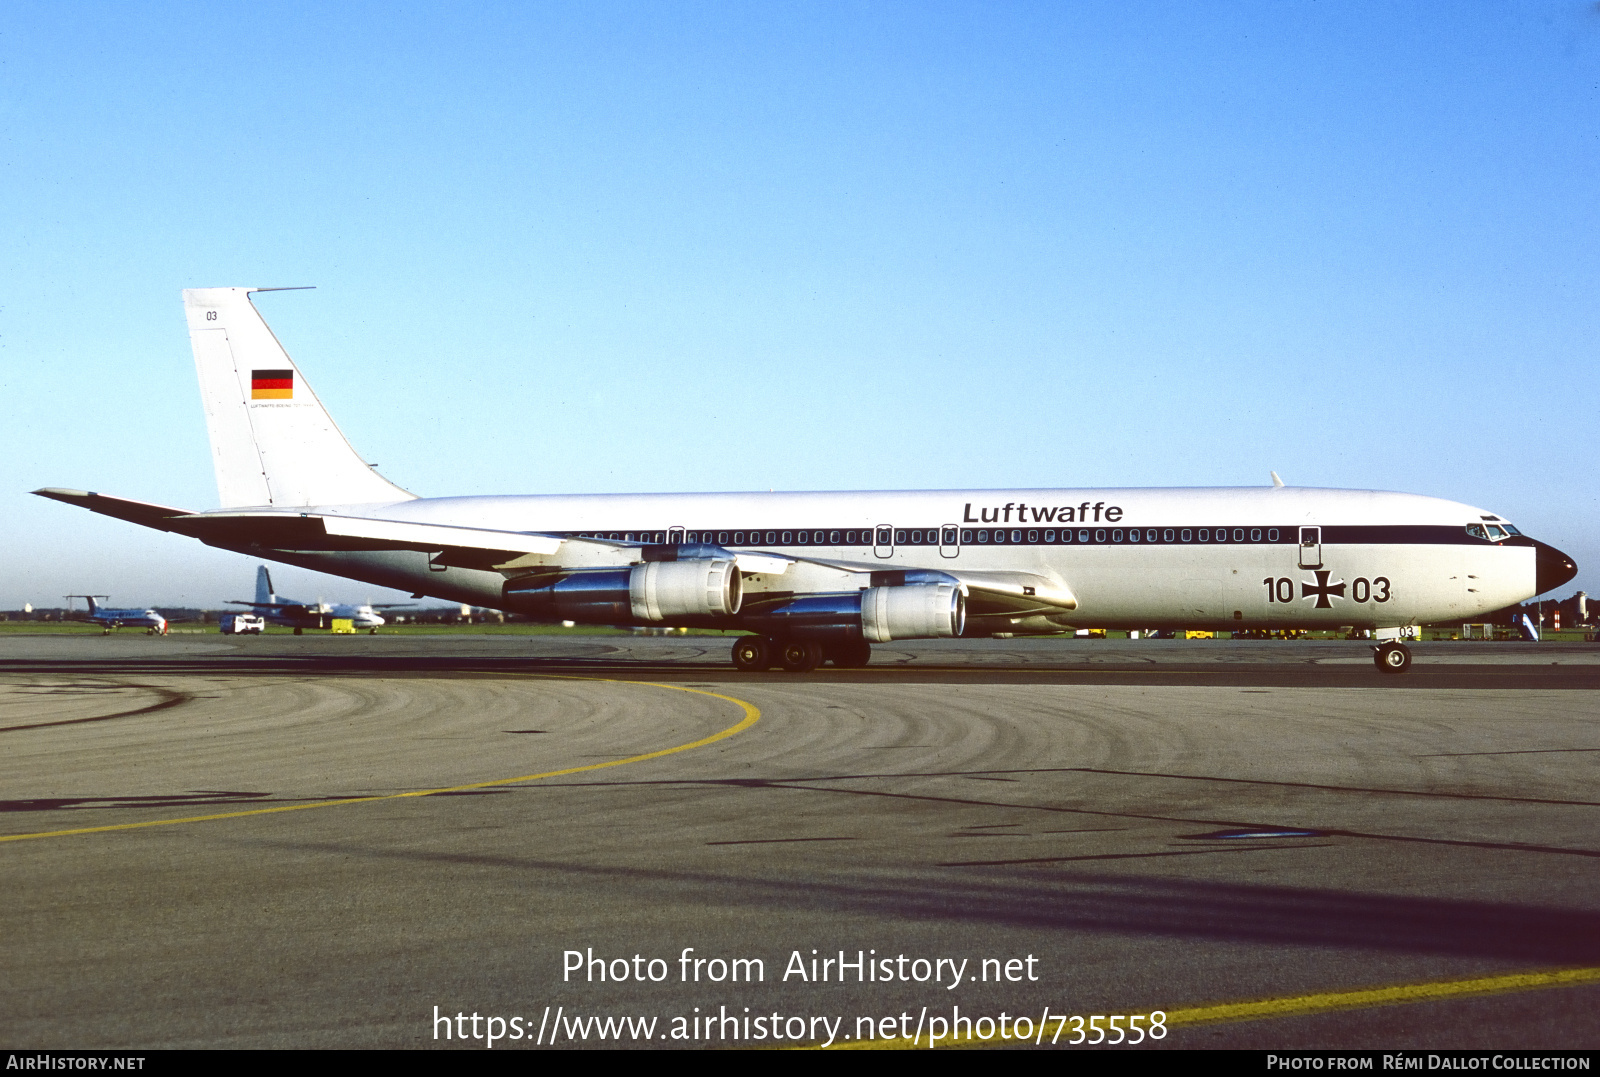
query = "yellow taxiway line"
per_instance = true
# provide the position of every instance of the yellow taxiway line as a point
(751, 715)
(1292, 1006)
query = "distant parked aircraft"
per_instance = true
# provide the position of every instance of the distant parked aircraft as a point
(303, 615)
(151, 621)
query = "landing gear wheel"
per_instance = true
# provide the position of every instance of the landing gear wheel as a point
(851, 655)
(752, 654)
(1392, 658)
(801, 656)
(299, 631)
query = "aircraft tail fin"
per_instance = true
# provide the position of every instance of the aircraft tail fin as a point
(264, 593)
(272, 441)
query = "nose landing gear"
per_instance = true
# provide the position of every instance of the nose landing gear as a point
(1392, 657)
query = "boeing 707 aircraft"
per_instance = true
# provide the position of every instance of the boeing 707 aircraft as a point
(816, 577)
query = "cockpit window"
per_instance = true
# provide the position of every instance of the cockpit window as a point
(1477, 531)
(1496, 533)
(1511, 530)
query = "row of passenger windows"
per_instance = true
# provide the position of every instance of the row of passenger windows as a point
(950, 536)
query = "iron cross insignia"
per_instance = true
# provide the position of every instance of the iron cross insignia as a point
(1322, 589)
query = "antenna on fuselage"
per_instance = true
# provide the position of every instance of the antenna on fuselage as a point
(1276, 482)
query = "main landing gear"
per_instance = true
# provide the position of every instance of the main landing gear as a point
(1392, 657)
(756, 654)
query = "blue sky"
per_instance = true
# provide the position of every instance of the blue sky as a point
(614, 247)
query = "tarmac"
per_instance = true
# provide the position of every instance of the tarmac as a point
(337, 841)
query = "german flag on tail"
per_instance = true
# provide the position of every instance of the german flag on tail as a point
(272, 385)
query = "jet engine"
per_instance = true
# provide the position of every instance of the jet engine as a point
(915, 611)
(877, 614)
(652, 592)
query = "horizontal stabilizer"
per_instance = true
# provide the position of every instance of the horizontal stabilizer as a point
(159, 517)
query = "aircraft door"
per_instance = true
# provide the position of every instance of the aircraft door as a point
(949, 541)
(883, 541)
(1311, 547)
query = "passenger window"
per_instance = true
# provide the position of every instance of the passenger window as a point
(1083, 536)
(1205, 534)
(1255, 534)
(966, 537)
(1133, 535)
(983, 536)
(1049, 536)
(1116, 536)
(1033, 536)
(1166, 536)
(1272, 534)
(1238, 534)
(1186, 535)
(1099, 536)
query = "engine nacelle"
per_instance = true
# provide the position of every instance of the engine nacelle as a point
(652, 592)
(878, 614)
(661, 590)
(915, 611)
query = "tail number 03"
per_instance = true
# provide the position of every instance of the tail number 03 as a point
(1281, 589)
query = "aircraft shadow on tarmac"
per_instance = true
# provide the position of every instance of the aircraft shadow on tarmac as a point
(1081, 902)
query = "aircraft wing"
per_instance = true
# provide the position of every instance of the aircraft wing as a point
(452, 546)
(315, 531)
(280, 607)
(1014, 593)
(1008, 593)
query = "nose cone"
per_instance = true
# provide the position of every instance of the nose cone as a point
(1552, 568)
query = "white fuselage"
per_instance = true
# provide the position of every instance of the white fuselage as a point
(1132, 558)
(147, 619)
(320, 615)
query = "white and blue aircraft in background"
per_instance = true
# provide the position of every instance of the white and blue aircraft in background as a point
(277, 610)
(108, 619)
(822, 576)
